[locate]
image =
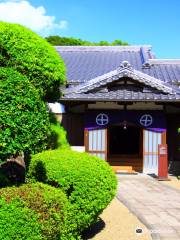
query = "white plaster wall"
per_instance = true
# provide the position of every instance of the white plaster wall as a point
(78, 148)
(56, 107)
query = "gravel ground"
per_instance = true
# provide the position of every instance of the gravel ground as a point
(118, 224)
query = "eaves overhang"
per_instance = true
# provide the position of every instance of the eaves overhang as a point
(63, 100)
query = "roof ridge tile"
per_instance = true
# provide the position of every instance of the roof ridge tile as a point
(102, 48)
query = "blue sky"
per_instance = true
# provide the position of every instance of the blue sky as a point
(154, 22)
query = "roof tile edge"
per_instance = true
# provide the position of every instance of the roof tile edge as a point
(102, 48)
(164, 61)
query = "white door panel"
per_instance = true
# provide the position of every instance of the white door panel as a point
(150, 159)
(96, 142)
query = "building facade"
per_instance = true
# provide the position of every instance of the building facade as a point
(120, 103)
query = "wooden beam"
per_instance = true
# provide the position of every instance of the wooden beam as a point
(125, 103)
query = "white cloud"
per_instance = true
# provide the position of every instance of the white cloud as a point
(24, 13)
(63, 24)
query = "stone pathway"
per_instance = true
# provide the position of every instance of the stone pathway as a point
(154, 203)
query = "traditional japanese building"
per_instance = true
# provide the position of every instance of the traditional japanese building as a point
(120, 102)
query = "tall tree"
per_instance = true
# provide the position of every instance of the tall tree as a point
(31, 55)
(24, 120)
(31, 72)
(69, 41)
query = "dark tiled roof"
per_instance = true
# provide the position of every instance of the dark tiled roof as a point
(85, 63)
(165, 72)
(91, 68)
(125, 70)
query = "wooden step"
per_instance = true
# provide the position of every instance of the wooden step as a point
(126, 164)
(127, 168)
(126, 172)
(123, 170)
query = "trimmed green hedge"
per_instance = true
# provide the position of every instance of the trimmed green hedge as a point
(33, 56)
(88, 182)
(33, 212)
(24, 121)
(58, 137)
(18, 222)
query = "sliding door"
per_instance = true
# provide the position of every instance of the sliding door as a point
(151, 140)
(96, 142)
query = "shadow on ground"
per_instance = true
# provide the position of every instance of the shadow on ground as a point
(93, 230)
(153, 175)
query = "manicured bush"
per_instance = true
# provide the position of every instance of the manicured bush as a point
(24, 121)
(33, 56)
(88, 182)
(58, 137)
(18, 222)
(33, 212)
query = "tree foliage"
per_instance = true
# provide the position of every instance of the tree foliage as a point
(24, 121)
(31, 55)
(70, 41)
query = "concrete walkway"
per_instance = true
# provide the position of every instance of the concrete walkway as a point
(154, 203)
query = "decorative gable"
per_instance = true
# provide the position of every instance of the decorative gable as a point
(125, 71)
(124, 84)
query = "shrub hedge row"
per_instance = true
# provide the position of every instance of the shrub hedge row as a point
(18, 222)
(81, 188)
(58, 137)
(88, 182)
(32, 212)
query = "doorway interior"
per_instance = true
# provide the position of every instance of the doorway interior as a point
(125, 147)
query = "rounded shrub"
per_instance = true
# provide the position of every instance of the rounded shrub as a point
(32, 211)
(24, 121)
(18, 222)
(58, 137)
(88, 182)
(32, 56)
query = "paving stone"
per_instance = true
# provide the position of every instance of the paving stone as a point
(168, 233)
(166, 217)
(155, 204)
(143, 211)
(151, 218)
(169, 238)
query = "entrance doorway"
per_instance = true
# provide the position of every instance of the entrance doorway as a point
(125, 148)
(124, 141)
